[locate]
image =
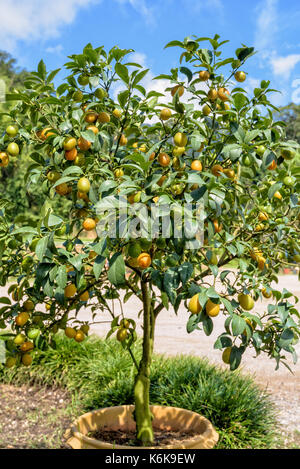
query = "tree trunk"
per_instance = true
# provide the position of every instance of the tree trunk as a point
(142, 414)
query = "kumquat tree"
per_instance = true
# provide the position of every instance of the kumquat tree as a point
(100, 138)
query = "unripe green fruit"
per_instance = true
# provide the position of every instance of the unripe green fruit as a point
(12, 130)
(134, 250)
(83, 80)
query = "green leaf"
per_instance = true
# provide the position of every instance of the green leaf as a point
(239, 100)
(98, 266)
(42, 69)
(208, 325)
(116, 272)
(187, 72)
(226, 302)
(274, 188)
(122, 72)
(244, 52)
(165, 299)
(192, 323)
(25, 230)
(139, 77)
(174, 44)
(238, 325)
(62, 277)
(5, 300)
(185, 271)
(123, 97)
(222, 341)
(235, 358)
(41, 247)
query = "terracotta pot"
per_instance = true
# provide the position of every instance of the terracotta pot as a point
(120, 418)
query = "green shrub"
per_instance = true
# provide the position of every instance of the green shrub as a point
(98, 374)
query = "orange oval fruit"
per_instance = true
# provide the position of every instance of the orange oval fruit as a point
(63, 189)
(84, 296)
(123, 140)
(240, 76)
(103, 117)
(180, 139)
(217, 226)
(164, 159)
(246, 301)
(27, 346)
(261, 262)
(122, 334)
(194, 305)
(212, 309)
(69, 143)
(229, 173)
(144, 260)
(79, 336)
(179, 89)
(90, 117)
(272, 166)
(117, 113)
(196, 165)
(223, 94)
(22, 318)
(165, 114)
(212, 94)
(89, 224)
(226, 355)
(70, 155)
(26, 359)
(84, 144)
(4, 159)
(28, 305)
(217, 169)
(204, 75)
(161, 180)
(70, 332)
(70, 290)
(93, 128)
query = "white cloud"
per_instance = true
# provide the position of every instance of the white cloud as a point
(251, 83)
(199, 5)
(139, 58)
(54, 49)
(31, 20)
(266, 25)
(283, 66)
(141, 7)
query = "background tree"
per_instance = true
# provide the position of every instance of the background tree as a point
(28, 198)
(290, 114)
(92, 150)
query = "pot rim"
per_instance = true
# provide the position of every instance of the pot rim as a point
(209, 433)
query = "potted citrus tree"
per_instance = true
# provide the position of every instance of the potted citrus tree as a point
(212, 152)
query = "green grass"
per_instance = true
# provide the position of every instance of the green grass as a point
(99, 374)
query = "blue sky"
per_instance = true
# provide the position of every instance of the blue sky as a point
(32, 29)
